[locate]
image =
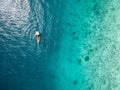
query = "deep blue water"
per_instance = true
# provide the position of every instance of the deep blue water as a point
(25, 65)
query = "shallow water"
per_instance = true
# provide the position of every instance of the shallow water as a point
(91, 53)
(79, 48)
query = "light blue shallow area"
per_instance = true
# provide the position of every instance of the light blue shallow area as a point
(79, 48)
(92, 46)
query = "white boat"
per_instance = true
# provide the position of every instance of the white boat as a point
(37, 34)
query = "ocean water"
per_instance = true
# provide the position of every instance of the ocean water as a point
(24, 64)
(91, 47)
(79, 48)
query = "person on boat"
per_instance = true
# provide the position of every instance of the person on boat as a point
(37, 34)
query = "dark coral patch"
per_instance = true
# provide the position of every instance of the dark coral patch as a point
(75, 82)
(79, 0)
(96, 9)
(91, 87)
(87, 58)
(77, 38)
(79, 61)
(74, 33)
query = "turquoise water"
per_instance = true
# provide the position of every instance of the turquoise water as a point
(79, 47)
(91, 47)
